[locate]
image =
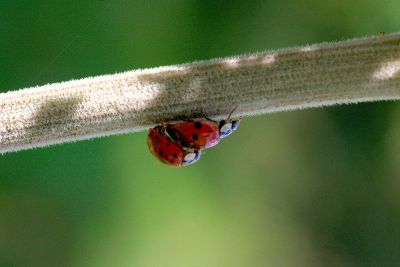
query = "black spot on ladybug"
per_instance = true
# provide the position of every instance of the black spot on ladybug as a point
(195, 137)
(160, 152)
(174, 155)
(197, 125)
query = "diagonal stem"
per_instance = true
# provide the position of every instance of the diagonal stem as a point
(351, 71)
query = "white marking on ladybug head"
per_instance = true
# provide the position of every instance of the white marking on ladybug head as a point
(191, 158)
(228, 128)
(225, 130)
(235, 125)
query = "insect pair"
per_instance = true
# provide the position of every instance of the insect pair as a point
(180, 144)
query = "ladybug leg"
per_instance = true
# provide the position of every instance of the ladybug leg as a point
(164, 126)
(181, 118)
(205, 116)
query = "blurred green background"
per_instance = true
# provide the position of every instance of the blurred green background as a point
(319, 187)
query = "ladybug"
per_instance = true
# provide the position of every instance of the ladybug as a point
(201, 134)
(168, 151)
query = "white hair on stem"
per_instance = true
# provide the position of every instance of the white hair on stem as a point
(351, 71)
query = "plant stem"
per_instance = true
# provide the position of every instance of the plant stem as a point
(351, 71)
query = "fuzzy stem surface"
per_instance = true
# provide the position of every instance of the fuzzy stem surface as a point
(352, 71)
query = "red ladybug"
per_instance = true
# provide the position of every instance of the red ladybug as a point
(201, 134)
(168, 151)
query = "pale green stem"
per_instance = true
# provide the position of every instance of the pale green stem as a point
(351, 71)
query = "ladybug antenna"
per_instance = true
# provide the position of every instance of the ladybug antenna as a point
(230, 114)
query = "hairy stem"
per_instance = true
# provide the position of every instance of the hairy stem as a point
(351, 71)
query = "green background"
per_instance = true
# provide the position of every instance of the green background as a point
(319, 187)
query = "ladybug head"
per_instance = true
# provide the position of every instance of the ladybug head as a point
(227, 127)
(191, 157)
